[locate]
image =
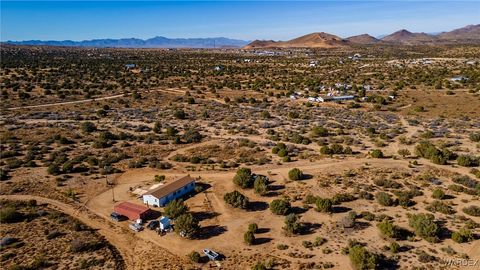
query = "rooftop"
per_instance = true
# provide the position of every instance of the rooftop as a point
(164, 190)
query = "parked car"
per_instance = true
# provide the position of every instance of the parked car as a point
(136, 227)
(117, 216)
(152, 225)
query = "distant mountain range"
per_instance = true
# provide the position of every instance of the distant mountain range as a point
(466, 35)
(156, 42)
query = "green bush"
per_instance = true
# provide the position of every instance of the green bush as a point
(280, 206)
(295, 174)
(249, 237)
(475, 136)
(377, 153)
(175, 209)
(438, 194)
(388, 229)
(243, 178)
(467, 161)
(462, 236)
(194, 257)
(362, 258)
(259, 266)
(260, 185)
(253, 227)
(10, 215)
(440, 206)
(236, 199)
(324, 205)
(292, 226)
(472, 210)
(424, 226)
(394, 247)
(385, 199)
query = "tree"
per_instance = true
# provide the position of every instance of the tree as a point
(186, 225)
(319, 131)
(243, 178)
(361, 258)
(324, 205)
(249, 237)
(260, 185)
(295, 174)
(292, 226)
(236, 199)
(280, 206)
(424, 226)
(175, 209)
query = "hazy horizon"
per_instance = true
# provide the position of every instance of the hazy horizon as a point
(82, 20)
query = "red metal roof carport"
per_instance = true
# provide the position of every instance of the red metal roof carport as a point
(132, 211)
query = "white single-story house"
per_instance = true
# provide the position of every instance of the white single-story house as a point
(164, 194)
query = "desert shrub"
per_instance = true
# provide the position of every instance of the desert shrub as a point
(80, 245)
(292, 226)
(186, 225)
(438, 194)
(424, 257)
(385, 199)
(466, 181)
(282, 247)
(361, 258)
(403, 152)
(243, 178)
(319, 241)
(462, 236)
(427, 150)
(194, 257)
(342, 197)
(467, 161)
(259, 266)
(319, 132)
(387, 183)
(324, 205)
(249, 237)
(424, 226)
(10, 215)
(475, 136)
(253, 227)
(439, 206)
(260, 185)
(175, 209)
(394, 247)
(88, 127)
(377, 153)
(295, 174)
(236, 199)
(388, 229)
(280, 206)
(367, 215)
(192, 136)
(472, 210)
(180, 114)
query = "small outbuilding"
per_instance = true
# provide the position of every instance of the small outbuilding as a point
(164, 194)
(132, 211)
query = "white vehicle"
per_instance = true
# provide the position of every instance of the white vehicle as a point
(135, 227)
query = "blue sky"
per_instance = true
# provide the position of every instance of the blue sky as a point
(79, 20)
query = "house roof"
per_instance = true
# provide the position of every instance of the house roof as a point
(164, 190)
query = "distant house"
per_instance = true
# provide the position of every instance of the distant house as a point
(132, 211)
(313, 63)
(130, 66)
(334, 98)
(218, 68)
(164, 194)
